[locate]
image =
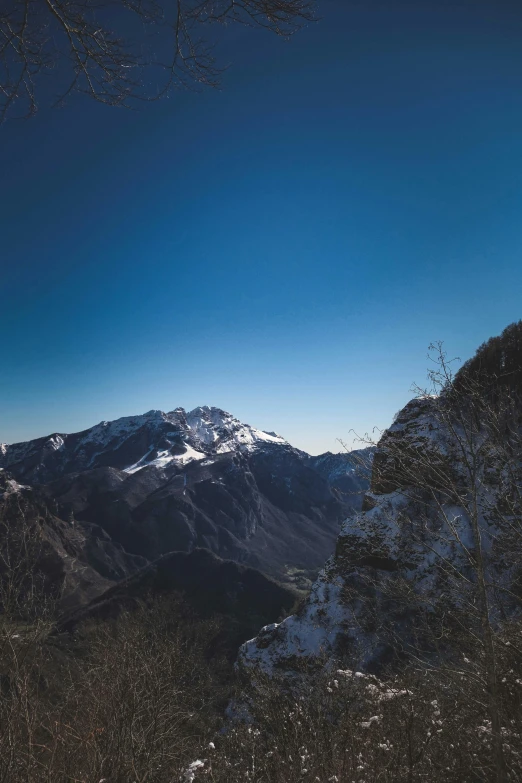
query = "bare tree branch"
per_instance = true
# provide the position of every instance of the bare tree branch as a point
(119, 51)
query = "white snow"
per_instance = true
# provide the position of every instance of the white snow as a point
(312, 633)
(13, 487)
(55, 442)
(189, 455)
(189, 774)
(165, 458)
(214, 427)
(269, 436)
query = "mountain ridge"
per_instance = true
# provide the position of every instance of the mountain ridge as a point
(154, 437)
(162, 482)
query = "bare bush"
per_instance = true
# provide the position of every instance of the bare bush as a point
(142, 694)
(29, 592)
(349, 726)
(126, 700)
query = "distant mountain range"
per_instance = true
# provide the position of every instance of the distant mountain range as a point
(123, 493)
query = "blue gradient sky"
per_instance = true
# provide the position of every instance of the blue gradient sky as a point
(285, 248)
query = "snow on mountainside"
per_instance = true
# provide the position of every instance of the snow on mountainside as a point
(135, 442)
(445, 486)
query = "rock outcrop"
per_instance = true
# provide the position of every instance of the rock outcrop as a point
(444, 502)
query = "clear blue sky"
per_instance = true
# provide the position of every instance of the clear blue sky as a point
(285, 248)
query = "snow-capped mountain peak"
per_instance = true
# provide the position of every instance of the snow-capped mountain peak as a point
(131, 443)
(218, 429)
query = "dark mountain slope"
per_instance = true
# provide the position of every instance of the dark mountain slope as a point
(266, 508)
(42, 548)
(207, 584)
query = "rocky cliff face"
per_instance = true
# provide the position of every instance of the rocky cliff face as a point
(341, 612)
(445, 491)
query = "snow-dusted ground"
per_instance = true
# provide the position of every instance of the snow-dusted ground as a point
(397, 541)
(309, 634)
